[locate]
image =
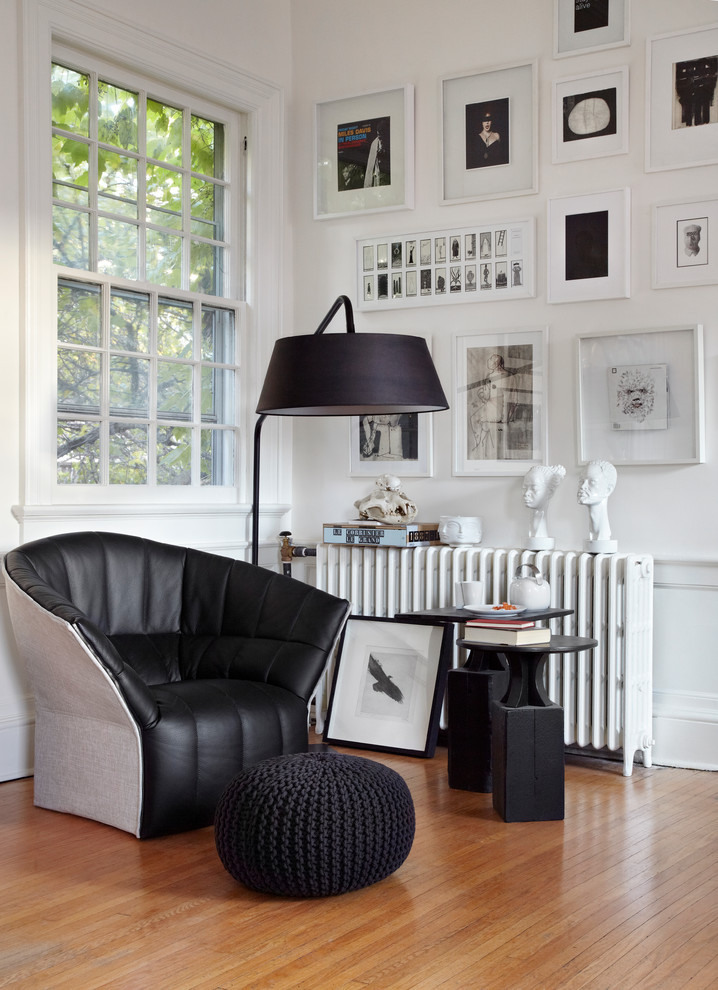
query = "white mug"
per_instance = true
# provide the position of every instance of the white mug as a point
(469, 593)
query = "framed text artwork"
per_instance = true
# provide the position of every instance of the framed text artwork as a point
(641, 396)
(590, 116)
(685, 243)
(589, 26)
(364, 154)
(490, 136)
(682, 104)
(589, 247)
(388, 686)
(500, 389)
(487, 262)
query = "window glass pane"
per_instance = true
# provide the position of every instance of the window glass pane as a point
(205, 268)
(117, 116)
(78, 380)
(70, 170)
(207, 147)
(70, 238)
(128, 454)
(164, 259)
(70, 100)
(164, 132)
(174, 390)
(129, 321)
(78, 313)
(217, 457)
(129, 386)
(174, 329)
(117, 248)
(164, 197)
(174, 455)
(217, 335)
(78, 453)
(117, 183)
(206, 209)
(217, 395)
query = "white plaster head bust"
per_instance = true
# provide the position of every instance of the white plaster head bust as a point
(598, 480)
(540, 482)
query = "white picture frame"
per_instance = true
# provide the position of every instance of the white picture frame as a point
(472, 169)
(641, 396)
(589, 247)
(677, 135)
(582, 26)
(685, 243)
(347, 133)
(500, 402)
(401, 444)
(488, 262)
(590, 116)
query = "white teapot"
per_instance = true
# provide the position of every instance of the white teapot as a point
(531, 592)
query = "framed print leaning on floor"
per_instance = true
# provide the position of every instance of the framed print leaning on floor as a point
(500, 389)
(388, 685)
(364, 154)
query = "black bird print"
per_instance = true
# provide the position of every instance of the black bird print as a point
(384, 683)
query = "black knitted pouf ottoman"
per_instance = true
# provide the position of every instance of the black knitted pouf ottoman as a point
(314, 824)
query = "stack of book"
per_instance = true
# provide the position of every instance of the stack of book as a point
(367, 533)
(506, 632)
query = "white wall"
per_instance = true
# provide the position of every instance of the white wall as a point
(666, 511)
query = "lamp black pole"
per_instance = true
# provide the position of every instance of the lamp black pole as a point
(348, 374)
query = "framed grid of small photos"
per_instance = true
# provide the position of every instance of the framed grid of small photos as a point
(482, 263)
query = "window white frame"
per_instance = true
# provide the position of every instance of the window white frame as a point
(47, 23)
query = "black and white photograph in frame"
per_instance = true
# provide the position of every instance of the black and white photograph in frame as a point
(388, 686)
(685, 243)
(399, 443)
(641, 396)
(682, 99)
(489, 124)
(500, 402)
(590, 116)
(364, 154)
(590, 25)
(589, 247)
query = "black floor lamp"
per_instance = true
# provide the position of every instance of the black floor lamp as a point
(347, 374)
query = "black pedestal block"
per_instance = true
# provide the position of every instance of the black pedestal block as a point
(470, 695)
(528, 763)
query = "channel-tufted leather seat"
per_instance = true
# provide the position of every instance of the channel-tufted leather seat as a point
(160, 672)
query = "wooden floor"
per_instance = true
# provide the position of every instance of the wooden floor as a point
(621, 895)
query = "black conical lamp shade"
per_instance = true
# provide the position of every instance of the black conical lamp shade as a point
(346, 374)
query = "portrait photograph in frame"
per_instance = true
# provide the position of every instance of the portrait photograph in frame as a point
(364, 154)
(399, 443)
(682, 99)
(589, 247)
(590, 116)
(590, 25)
(499, 407)
(388, 686)
(489, 133)
(685, 243)
(641, 396)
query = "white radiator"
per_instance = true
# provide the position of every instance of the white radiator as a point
(606, 693)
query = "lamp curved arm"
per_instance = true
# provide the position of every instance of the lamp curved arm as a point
(336, 306)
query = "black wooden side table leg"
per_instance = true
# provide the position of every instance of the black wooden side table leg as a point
(470, 694)
(528, 763)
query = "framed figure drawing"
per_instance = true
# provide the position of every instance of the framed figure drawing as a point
(489, 129)
(364, 154)
(682, 103)
(589, 247)
(590, 116)
(641, 396)
(399, 443)
(500, 388)
(388, 686)
(685, 243)
(589, 26)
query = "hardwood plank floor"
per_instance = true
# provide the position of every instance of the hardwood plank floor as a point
(621, 895)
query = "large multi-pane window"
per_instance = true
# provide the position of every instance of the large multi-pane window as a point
(146, 330)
